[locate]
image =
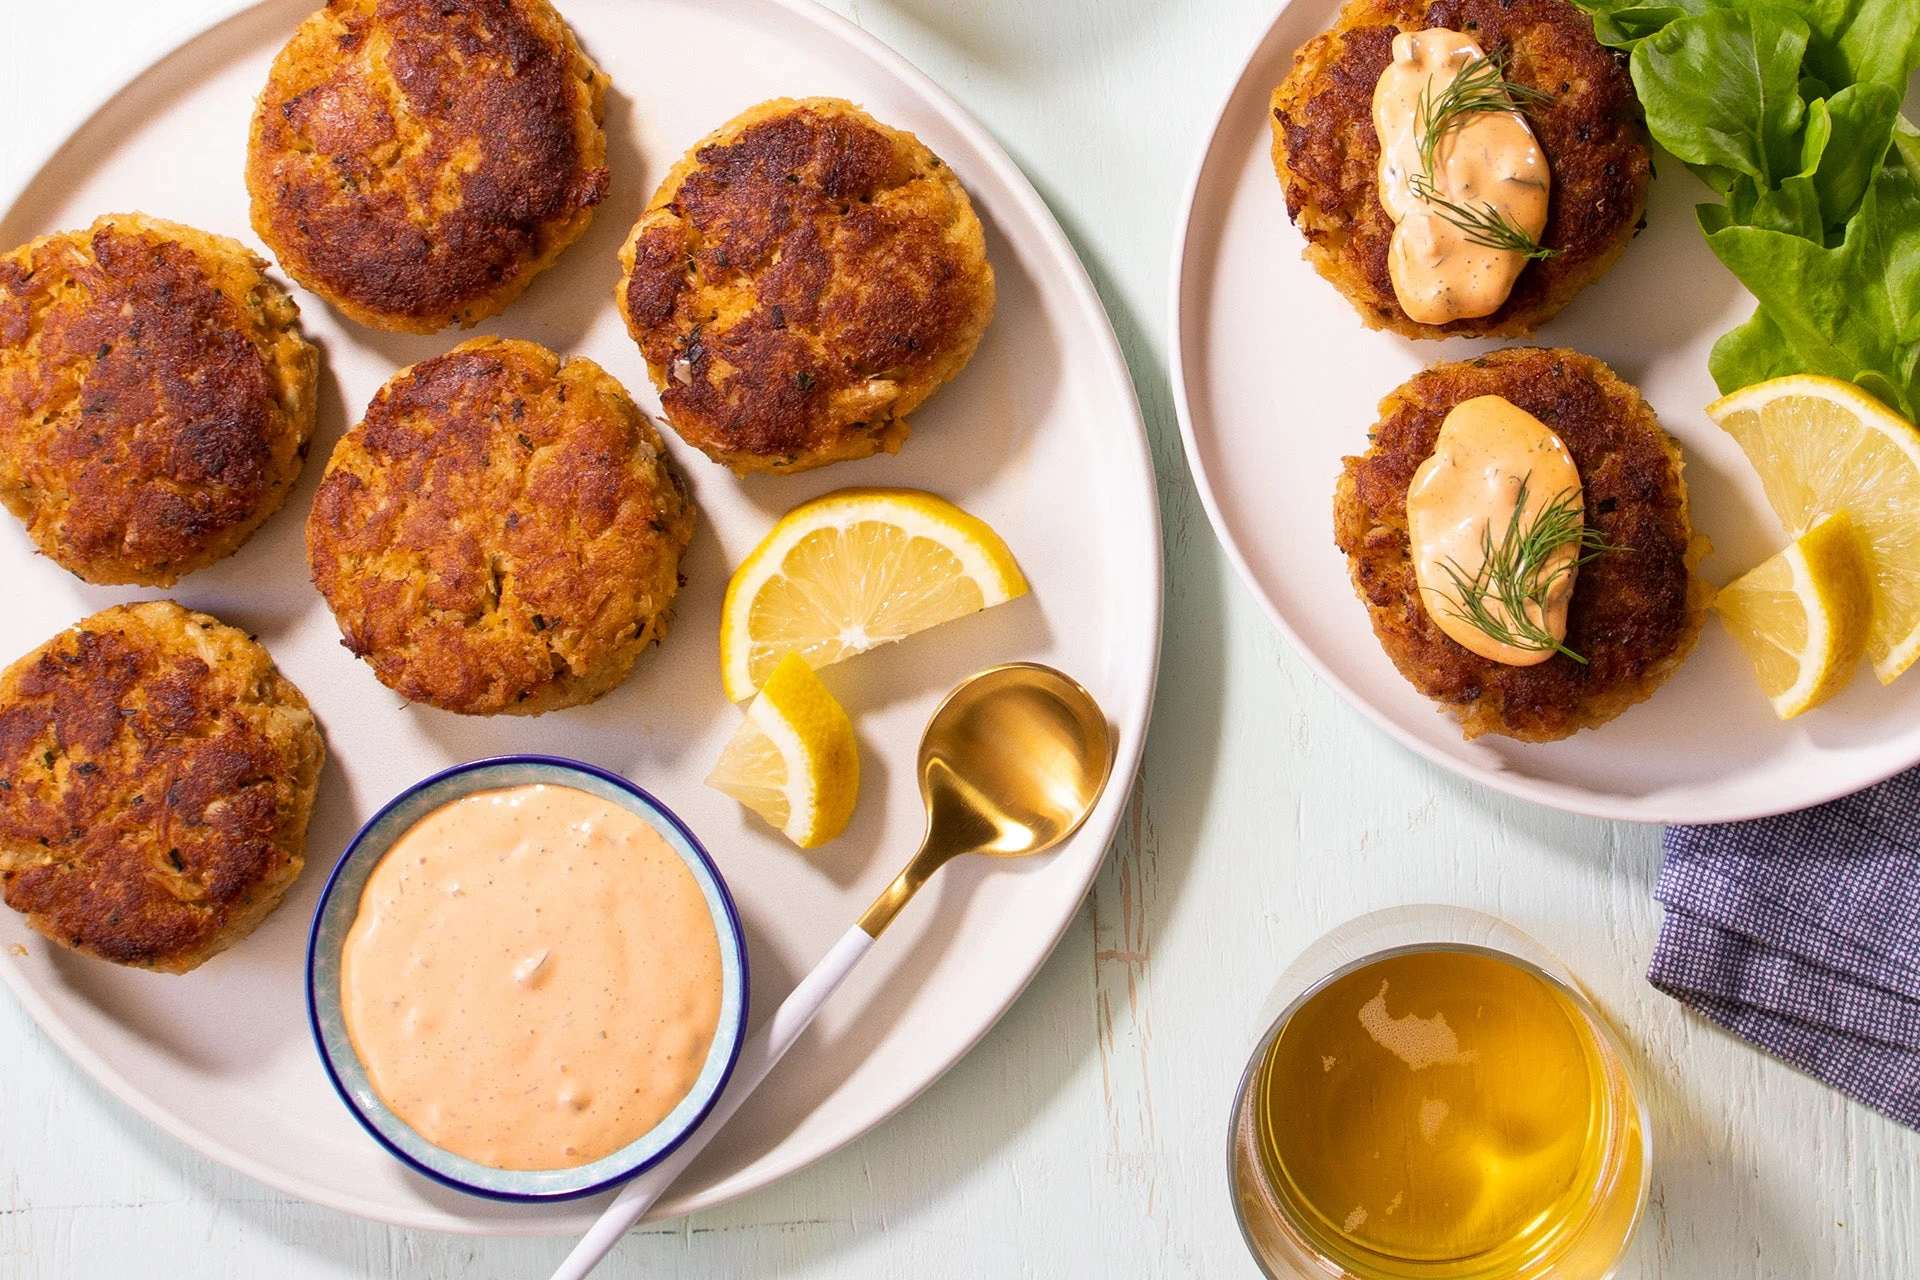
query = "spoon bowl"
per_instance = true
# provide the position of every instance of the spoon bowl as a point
(1011, 764)
(1016, 757)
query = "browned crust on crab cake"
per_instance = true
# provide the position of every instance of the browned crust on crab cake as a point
(1592, 133)
(802, 281)
(502, 533)
(417, 162)
(156, 777)
(156, 397)
(1635, 612)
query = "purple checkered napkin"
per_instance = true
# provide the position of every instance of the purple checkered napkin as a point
(1801, 933)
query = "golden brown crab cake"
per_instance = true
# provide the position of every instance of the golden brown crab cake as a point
(502, 533)
(1591, 131)
(802, 281)
(1635, 612)
(156, 777)
(156, 397)
(417, 162)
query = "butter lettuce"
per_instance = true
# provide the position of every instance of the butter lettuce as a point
(1854, 41)
(1858, 122)
(1790, 111)
(1722, 92)
(1851, 311)
(1906, 139)
(1864, 41)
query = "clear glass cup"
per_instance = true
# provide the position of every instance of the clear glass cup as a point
(1589, 1247)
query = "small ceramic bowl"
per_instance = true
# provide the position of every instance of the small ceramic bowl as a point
(340, 903)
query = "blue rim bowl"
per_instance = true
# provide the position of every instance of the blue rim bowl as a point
(340, 903)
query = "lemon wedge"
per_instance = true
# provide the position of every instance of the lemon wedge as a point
(793, 760)
(856, 569)
(1822, 446)
(1803, 616)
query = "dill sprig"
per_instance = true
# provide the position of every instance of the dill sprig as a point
(1485, 225)
(1518, 576)
(1480, 86)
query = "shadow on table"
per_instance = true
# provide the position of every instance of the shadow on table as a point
(978, 1109)
(1045, 35)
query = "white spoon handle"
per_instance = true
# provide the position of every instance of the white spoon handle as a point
(758, 1054)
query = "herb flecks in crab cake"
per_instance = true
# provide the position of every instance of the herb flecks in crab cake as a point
(156, 778)
(802, 281)
(1635, 609)
(156, 397)
(417, 162)
(1574, 96)
(502, 533)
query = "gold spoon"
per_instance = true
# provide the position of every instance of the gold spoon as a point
(1010, 765)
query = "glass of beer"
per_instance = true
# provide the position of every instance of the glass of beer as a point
(1436, 1099)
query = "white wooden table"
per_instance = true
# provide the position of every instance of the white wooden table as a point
(1086, 1135)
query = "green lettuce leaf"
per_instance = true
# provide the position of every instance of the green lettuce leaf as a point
(1862, 41)
(1622, 24)
(1906, 141)
(1841, 148)
(1851, 311)
(1852, 41)
(1756, 351)
(1722, 92)
(1790, 110)
(1859, 120)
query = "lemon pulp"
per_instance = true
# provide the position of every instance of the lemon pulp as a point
(1823, 446)
(1803, 616)
(853, 570)
(793, 760)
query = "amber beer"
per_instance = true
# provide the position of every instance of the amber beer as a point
(1442, 1112)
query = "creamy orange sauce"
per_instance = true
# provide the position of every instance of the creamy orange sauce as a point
(1488, 158)
(1467, 491)
(533, 980)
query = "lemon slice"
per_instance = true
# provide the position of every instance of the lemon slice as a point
(856, 569)
(1803, 616)
(1822, 446)
(793, 759)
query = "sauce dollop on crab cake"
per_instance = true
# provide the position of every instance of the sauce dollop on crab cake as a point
(417, 162)
(501, 533)
(802, 281)
(156, 778)
(1568, 143)
(156, 397)
(1635, 607)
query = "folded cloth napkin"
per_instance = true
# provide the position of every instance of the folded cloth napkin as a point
(1801, 933)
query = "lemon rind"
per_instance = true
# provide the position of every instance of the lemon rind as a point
(802, 789)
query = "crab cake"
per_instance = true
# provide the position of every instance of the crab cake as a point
(417, 162)
(804, 278)
(156, 777)
(502, 533)
(1591, 132)
(1636, 611)
(156, 397)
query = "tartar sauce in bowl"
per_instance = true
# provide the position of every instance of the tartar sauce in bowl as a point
(533, 979)
(526, 978)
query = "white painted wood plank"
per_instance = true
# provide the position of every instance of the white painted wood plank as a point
(1084, 1138)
